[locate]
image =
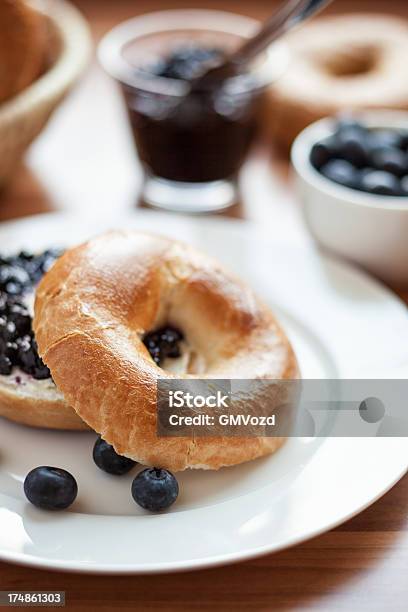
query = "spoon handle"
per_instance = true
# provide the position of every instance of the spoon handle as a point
(288, 16)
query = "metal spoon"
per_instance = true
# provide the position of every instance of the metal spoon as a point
(291, 14)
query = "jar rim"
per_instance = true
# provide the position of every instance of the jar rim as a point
(110, 49)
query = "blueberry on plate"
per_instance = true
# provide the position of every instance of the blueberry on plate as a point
(155, 489)
(50, 488)
(108, 460)
(381, 183)
(340, 171)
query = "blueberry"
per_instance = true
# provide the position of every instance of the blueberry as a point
(50, 488)
(40, 371)
(13, 279)
(108, 460)
(151, 339)
(169, 342)
(155, 489)
(353, 147)
(13, 288)
(20, 317)
(340, 171)
(186, 62)
(10, 350)
(391, 160)
(3, 302)
(19, 273)
(346, 122)
(5, 366)
(27, 356)
(156, 354)
(163, 343)
(404, 185)
(48, 259)
(8, 330)
(322, 152)
(29, 360)
(385, 138)
(382, 183)
(25, 256)
(404, 141)
(361, 178)
(3, 325)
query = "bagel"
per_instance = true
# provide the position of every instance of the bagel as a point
(348, 62)
(28, 394)
(36, 403)
(23, 40)
(92, 311)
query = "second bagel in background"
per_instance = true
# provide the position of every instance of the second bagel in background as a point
(346, 62)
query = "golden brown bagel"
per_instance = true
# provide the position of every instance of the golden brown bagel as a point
(23, 37)
(37, 403)
(99, 299)
(345, 62)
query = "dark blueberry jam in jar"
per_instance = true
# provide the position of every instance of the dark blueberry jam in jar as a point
(192, 141)
(199, 137)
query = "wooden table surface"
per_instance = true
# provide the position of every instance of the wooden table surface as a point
(84, 162)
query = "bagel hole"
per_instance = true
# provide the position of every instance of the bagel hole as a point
(351, 62)
(185, 360)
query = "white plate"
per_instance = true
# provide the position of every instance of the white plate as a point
(341, 323)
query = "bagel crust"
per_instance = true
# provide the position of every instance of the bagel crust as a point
(39, 408)
(92, 310)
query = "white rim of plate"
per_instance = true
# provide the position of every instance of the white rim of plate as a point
(71, 519)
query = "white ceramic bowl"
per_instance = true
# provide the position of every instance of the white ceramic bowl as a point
(370, 230)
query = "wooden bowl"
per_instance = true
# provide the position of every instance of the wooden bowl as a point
(24, 116)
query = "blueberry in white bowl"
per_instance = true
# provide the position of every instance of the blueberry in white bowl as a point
(50, 488)
(351, 175)
(155, 489)
(108, 460)
(354, 149)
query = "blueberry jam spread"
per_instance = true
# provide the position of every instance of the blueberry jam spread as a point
(18, 276)
(366, 159)
(201, 136)
(163, 343)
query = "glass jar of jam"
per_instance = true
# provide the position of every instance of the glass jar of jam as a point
(192, 141)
